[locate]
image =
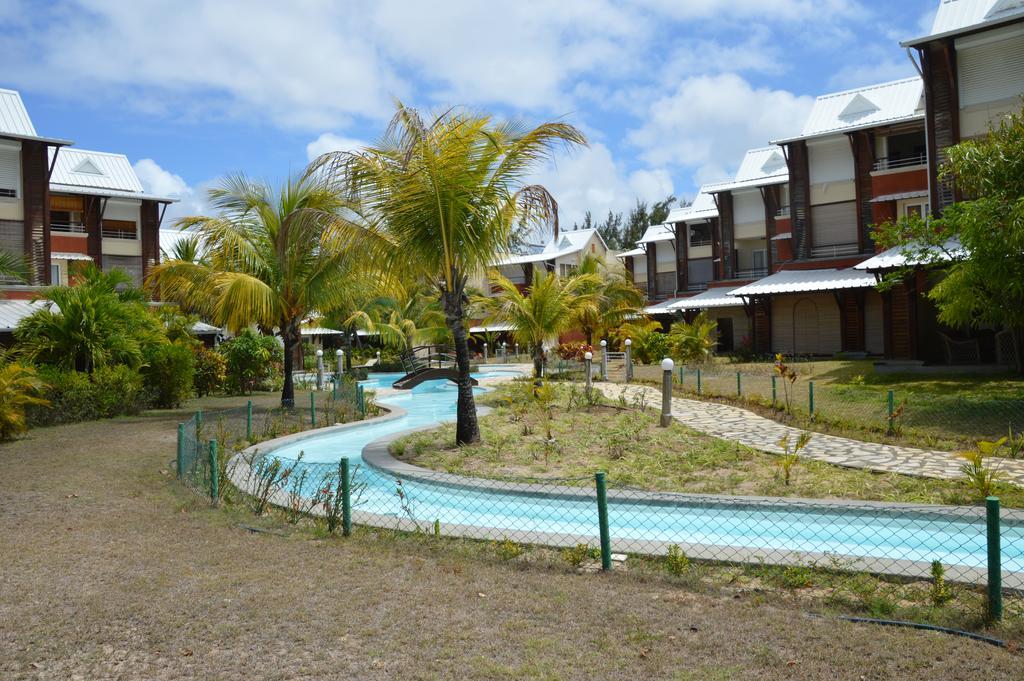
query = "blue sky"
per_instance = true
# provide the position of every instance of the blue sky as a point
(669, 92)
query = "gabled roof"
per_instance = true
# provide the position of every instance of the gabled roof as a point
(702, 208)
(960, 16)
(566, 244)
(801, 281)
(94, 169)
(760, 167)
(657, 233)
(15, 122)
(631, 253)
(866, 107)
(712, 297)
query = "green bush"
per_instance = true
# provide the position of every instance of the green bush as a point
(650, 347)
(169, 373)
(211, 371)
(251, 361)
(78, 396)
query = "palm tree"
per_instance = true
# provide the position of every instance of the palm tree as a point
(100, 321)
(272, 258)
(13, 266)
(613, 300)
(188, 248)
(452, 198)
(548, 308)
(404, 316)
(20, 388)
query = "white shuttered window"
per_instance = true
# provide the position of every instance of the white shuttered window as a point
(10, 172)
(834, 223)
(990, 71)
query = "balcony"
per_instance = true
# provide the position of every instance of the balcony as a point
(67, 228)
(697, 286)
(782, 212)
(898, 163)
(697, 243)
(114, 233)
(752, 273)
(835, 250)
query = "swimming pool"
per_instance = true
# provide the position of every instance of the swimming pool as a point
(905, 539)
(387, 378)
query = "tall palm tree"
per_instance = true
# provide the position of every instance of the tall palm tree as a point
(273, 257)
(452, 197)
(188, 248)
(613, 300)
(547, 308)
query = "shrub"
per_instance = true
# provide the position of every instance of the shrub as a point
(78, 396)
(251, 359)
(210, 371)
(695, 342)
(573, 351)
(676, 562)
(650, 347)
(20, 388)
(169, 374)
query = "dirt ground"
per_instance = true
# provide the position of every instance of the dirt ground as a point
(110, 570)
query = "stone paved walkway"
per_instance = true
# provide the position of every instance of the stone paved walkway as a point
(732, 423)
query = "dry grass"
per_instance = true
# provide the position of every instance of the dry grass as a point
(110, 570)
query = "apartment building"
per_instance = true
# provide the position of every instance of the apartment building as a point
(60, 205)
(561, 254)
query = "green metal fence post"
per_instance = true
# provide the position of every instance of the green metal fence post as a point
(681, 370)
(181, 451)
(698, 382)
(774, 390)
(892, 408)
(602, 520)
(312, 409)
(199, 423)
(995, 568)
(810, 398)
(361, 401)
(248, 421)
(739, 385)
(346, 498)
(214, 473)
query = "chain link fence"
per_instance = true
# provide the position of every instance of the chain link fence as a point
(931, 419)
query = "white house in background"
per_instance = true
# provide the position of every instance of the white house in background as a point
(561, 254)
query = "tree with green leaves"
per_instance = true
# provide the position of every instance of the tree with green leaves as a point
(611, 298)
(978, 242)
(549, 307)
(451, 195)
(273, 257)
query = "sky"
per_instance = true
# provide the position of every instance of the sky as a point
(670, 93)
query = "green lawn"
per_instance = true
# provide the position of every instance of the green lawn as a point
(627, 444)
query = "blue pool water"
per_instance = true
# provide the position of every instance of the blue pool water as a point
(386, 379)
(850, 533)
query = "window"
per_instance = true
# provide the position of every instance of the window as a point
(10, 172)
(903, 150)
(758, 259)
(132, 265)
(55, 274)
(918, 209)
(700, 235)
(67, 221)
(566, 270)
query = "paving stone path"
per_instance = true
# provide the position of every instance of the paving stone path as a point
(732, 423)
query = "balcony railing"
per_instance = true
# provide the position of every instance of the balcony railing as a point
(782, 212)
(835, 250)
(696, 243)
(904, 162)
(752, 273)
(67, 227)
(109, 233)
(697, 286)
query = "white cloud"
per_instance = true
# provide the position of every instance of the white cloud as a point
(708, 123)
(156, 180)
(328, 141)
(591, 179)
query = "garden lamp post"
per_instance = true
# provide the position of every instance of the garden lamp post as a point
(604, 360)
(629, 360)
(504, 352)
(587, 361)
(485, 352)
(340, 354)
(666, 391)
(517, 351)
(378, 360)
(319, 369)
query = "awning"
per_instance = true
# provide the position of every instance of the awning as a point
(784, 235)
(713, 297)
(12, 311)
(803, 281)
(70, 256)
(664, 307)
(491, 328)
(204, 329)
(320, 331)
(918, 194)
(903, 256)
(629, 254)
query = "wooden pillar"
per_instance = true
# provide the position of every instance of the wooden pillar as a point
(652, 270)
(682, 232)
(36, 201)
(149, 224)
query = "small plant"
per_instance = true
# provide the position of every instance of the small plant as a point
(508, 549)
(1014, 443)
(940, 593)
(896, 420)
(626, 434)
(577, 554)
(788, 375)
(791, 456)
(676, 562)
(857, 380)
(980, 477)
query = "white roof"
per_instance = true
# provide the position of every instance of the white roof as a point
(657, 233)
(702, 208)
(901, 256)
(13, 311)
(94, 169)
(14, 118)
(760, 167)
(959, 16)
(866, 107)
(491, 327)
(204, 329)
(629, 254)
(319, 331)
(712, 297)
(567, 243)
(916, 194)
(69, 256)
(800, 281)
(664, 307)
